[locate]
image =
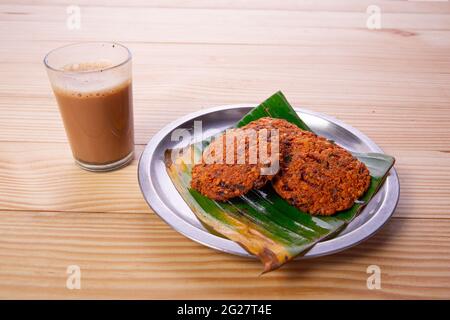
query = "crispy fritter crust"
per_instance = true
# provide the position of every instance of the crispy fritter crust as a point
(318, 176)
(220, 179)
(285, 128)
(223, 181)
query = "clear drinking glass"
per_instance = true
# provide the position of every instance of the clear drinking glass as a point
(92, 85)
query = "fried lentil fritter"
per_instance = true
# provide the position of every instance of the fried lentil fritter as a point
(228, 172)
(318, 176)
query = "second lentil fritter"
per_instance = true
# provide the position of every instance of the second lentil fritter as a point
(318, 176)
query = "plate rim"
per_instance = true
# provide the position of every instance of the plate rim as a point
(322, 248)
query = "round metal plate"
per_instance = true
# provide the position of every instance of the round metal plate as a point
(164, 199)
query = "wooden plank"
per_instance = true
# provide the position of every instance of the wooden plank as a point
(425, 183)
(369, 90)
(291, 5)
(42, 176)
(221, 26)
(138, 256)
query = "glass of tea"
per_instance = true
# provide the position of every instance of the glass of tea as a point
(92, 85)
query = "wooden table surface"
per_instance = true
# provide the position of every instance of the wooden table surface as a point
(393, 84)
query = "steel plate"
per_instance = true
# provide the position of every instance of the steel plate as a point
(164, 199)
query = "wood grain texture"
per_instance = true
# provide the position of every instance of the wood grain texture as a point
(132, 256)
(392, 84)
(399, 6)
(224, 26)
(365, 87)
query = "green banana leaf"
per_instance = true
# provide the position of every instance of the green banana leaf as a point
(260, 221)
